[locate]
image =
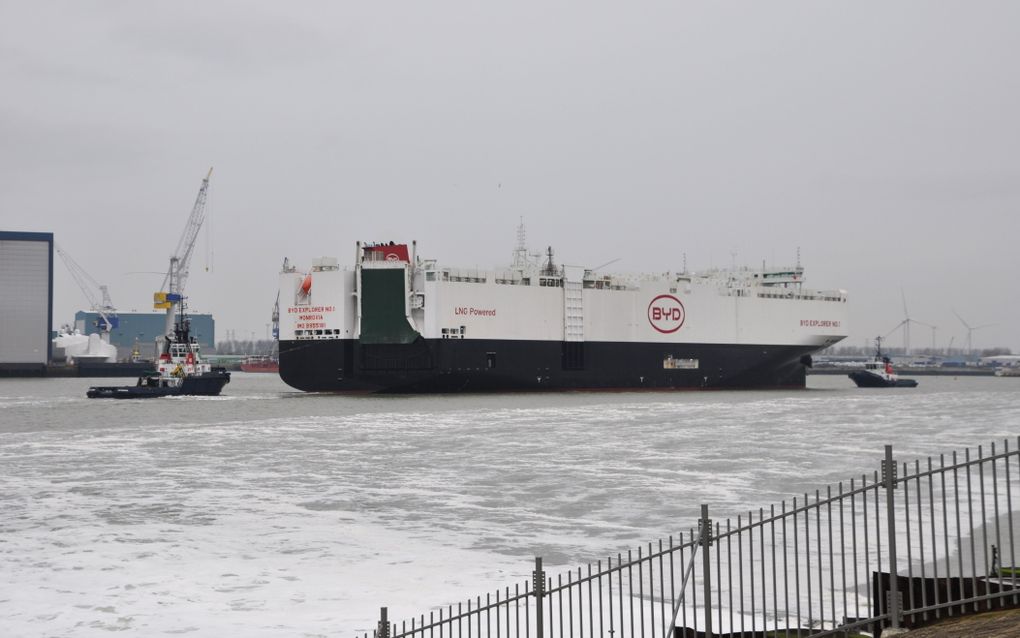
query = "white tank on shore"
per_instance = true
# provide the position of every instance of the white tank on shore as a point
(74, 346)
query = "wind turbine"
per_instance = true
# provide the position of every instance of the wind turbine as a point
(970, 330)
(933, 329)
(906, 334)
(905, 324)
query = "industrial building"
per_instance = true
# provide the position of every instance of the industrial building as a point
(145, 328)
(26, 314)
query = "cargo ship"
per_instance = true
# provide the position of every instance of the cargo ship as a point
(394, 322)
(260, 363)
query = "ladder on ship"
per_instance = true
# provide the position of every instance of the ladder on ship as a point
(573, 304)
(573, 318)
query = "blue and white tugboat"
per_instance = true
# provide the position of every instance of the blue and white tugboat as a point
(179, 371)
(879, 373)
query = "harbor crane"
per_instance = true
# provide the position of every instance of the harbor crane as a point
(276, 318)
(274, 350)
(171, 294)
(99, 303)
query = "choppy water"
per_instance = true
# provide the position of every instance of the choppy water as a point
(266, 512)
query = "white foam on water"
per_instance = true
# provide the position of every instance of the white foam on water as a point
(30, 401)
(266, 513)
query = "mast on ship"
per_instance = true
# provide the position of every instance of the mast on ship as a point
(521, 251)
(181, 332)
(550, 266)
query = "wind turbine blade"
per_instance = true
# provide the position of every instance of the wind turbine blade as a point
(898, 326)
(903, 295)
(966, 325)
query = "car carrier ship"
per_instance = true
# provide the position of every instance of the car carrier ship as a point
(397, 323)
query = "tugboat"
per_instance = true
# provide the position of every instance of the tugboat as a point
(879, 373)
(180, 371)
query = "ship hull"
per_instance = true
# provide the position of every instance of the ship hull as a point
(209, 384)
(489, 365)
(867, 380)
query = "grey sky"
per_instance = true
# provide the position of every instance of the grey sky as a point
(882, 139)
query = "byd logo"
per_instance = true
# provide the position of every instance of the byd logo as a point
(666, 314)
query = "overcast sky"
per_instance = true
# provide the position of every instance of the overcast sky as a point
(880, 139)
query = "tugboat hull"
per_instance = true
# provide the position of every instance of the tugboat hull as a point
(210, 384)
(868, 380)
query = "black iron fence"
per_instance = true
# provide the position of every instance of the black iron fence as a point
(900, 547)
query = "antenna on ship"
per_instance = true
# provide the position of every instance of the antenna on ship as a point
(521, 251)
(550, 267)
(611, 261)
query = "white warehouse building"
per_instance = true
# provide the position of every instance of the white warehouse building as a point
(26, 313)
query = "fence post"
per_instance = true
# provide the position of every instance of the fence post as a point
(538, 588)
(889, 481)
(383, 628)
(705, 534)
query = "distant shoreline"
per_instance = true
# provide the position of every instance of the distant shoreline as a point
(917, 372)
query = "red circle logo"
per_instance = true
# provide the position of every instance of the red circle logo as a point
(666, 314)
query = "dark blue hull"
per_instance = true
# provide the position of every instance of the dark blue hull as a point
(209, 384)
(866, 380)
(475, 365)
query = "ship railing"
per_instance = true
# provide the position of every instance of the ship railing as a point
(604, 284)
(467, 276)
(902, 546)
(805, 296)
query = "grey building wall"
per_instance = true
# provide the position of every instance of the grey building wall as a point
(146, 326)
(26, 298)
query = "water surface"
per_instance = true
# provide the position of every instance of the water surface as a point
(269, 512)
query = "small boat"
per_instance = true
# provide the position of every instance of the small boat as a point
(179, 371)
(260, 363)
(879, 373)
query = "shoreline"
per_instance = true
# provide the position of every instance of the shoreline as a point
(918, 372)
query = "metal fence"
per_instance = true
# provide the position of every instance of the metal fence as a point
(903, 546)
